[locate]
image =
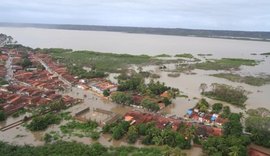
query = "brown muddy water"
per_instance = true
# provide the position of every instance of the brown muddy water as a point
(117, 42)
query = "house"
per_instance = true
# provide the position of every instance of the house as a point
(102, 86)
(255, 150)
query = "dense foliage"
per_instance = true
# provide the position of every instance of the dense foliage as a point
(73, 148)
(234, 95)
(185, 55)
(225, 64)
(227, 145)
(217, 107)
(232, 143)
(121, 98)
(258, 124)
(105, 62)
(42, 122)
(3, 81)
(251, 80)
(202, 105)
(81, 73)
(2, 115)
(87, 126)
(150, 105)
(149, 134)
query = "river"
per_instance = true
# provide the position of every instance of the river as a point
(133, 43)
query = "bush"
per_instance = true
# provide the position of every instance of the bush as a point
(2, 115)
(42, 122)
(234, 95)
(217, 107)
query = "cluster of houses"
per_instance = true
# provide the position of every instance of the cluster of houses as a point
(31, 86)
(161, 122)
(206, 118)
(41, 79)
(16, 97)
(58, 69)
(3, 59)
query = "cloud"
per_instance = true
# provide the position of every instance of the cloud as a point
(198, 14)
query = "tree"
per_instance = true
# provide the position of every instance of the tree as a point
(166, 101)
(150, 105)
(121, 98)
(132, 134)
(258, 124)
(203, 87)
(203, 105)
(106, 93)
(2, 115)
(234, 126)
(42, 122)
(57, 105)
(119, 130)
(226, 112)
(217, 107)
(235, 151)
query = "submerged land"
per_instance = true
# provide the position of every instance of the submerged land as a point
(113, 101)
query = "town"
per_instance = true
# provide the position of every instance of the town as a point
(33, 80)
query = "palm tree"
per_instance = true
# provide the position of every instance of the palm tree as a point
(203, 87)
(235, 151)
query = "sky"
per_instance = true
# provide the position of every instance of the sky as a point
(250, 15)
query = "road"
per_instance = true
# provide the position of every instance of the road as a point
(9, 76)
(53, 72)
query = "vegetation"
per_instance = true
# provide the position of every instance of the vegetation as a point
(103, 62)
(225, 64)
(234, 126)
(19, 112)
(226, 112)
(185, 55)
(163, 55)
(74, 125)
(81, 73)
(234, 95)
(130, 83)
(25, 62)
(258, 124)
(135, 84)
(217, 107)
(57, 105)
(3, 81)
(149, 133)
(205, 54)
(121, 98)
(265, 53)
(150, 105)
(226, 145)
(95, 149)
(202, 105)
(51, 137)
(2, 115)
(106, 93)
(174, 74)
(232, 143)
(251, 80)
(42, 122)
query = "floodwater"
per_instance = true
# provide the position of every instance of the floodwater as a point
(117, 42)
